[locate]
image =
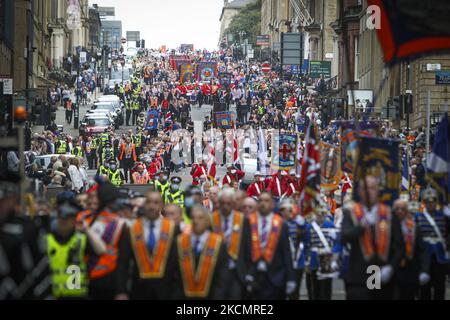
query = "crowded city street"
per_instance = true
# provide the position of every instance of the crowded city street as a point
(291, 150)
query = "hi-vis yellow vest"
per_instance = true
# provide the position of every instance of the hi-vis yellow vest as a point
(69, 278)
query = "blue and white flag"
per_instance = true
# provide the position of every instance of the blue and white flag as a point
(262, 153)
(406, 171)
(438, 162)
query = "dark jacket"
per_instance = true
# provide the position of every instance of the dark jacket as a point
(357, 269)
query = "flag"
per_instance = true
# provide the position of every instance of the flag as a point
(310, 176)
(406, 171)
(330, 166)
(263, 165)
(438, 162)
(408, 28)
(212, 157)
(284, 151)
(379, 158)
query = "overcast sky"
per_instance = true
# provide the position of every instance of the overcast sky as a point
(170, 22)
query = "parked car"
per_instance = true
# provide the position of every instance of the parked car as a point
(116, 111)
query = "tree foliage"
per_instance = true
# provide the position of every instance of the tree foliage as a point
(247, 20)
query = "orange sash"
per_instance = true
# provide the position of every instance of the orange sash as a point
(152, 266)
(382, 232)
(235, 239)
(409, 238)
(198, 282)
(272, 241)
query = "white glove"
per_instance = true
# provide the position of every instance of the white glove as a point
(386, 273)
(290, 287)
(447, 211)
(334, 265)
(262, 266)
(424, 278)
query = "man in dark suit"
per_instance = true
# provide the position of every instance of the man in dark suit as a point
(415, 265)
(201, 252)
(152, 248)
(376, 245)
(271, 253)
(235, 230)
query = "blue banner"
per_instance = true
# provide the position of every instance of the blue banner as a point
(378, 158)
(284, 151)
(223, 120)
(152, 120)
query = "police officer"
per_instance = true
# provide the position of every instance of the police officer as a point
(67, 246)
(434, 226)
(174, 194)
(128, 111)
(77, 151)
(103, 170)
(136, 107)
(62, 147)
(107, 153)
(161, 183)
(116, 176)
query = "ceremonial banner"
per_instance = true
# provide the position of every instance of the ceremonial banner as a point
(186, 72)
(152, 120)
(330, 165)
(206, 70)
(379, 158)
(225, 78)
(284, 151)
(349, 139)
(223, 120)
(438, 162)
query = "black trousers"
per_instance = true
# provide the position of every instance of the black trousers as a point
(265, 290)
(361, 292)
(298, 281)
(69, 114)
(235, 290)
(406, 291)
(127, 165)
(91, 160)
(127, 117)
(435, 289)
(318, 289)
(135, 116)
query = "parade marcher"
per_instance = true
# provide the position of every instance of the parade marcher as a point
(104, 279)
(141, 176)
(434, 226)
(152, 248)
(203, 261)
(90, 149)
(271, 253)
(321, 255)
(278, 185)
(127, 157)
(67, 248)
(233, 174)
(23, 257)
(115, 175)
(375, 237)
(235, 230)
(257, 187)
(297, 232)
(414, 267)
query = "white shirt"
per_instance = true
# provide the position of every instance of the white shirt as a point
(75, 177)
(156, 229)
(370, 215)
(203, 238)
(268, 218)
(230, 218)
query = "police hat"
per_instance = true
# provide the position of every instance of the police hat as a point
(67, 210)
(123, 203)
(175, 180)
(429, 194)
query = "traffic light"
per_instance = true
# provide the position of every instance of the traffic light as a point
(408, 103)
(397, 106)
(143, 44)
(138, 44)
